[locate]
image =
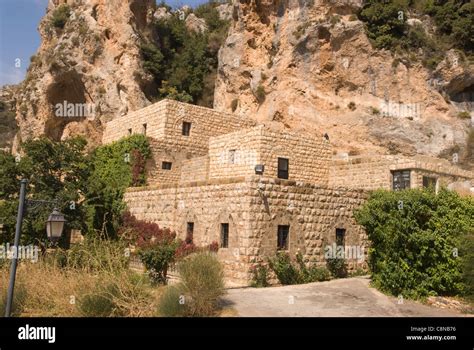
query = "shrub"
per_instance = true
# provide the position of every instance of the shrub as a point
(259, 276)
(100, 302)
(260, 93)
(123, 294)
(412, 248)
(172, 302)
(234, 104)
(284, 270)
(202, 278)
(156, 246)
(202, 283)
(60, 16)
(290, 273)
(157, 260)
(352, 106)
(466, 253)
(464, 115)
(374, 111)
(337, 267)
(311, 274)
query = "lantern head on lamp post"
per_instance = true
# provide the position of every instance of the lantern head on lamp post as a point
(55, 225)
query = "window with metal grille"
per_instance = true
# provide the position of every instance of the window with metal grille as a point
(186, 129)
(340, 236)
(282, 240)
(224, 235)
(166, 165)
(283, 168)
(401, 180)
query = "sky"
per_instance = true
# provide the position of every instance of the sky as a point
(19, 37)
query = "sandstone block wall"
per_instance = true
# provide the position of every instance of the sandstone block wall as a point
(205, 123)
(165, 119)
(195, 169)
(236, 154)
(253, 207)
(375, 172)
(313, 213)
(207, 204)
(154, 116)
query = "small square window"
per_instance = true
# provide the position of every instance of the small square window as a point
(225, 235)
(282, 239)
(283, 168)
(340, 236)
(186, 131)
(166, 165)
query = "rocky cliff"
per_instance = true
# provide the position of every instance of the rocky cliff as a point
(91, 58)
(310, 65)
(296, 64)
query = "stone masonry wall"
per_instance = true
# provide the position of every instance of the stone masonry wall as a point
(313, 213)
(207, 204)
(374, 172)
(195, 169)
(205, 123)
(253, 207)
(154, 116)
(238, 153)
(165, 119)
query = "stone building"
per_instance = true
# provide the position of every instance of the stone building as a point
(255, 190)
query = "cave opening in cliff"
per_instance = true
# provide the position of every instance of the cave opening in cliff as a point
(464, 99)
(68, 88)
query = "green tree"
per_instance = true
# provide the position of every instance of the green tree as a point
(415, 239)
(55, 171)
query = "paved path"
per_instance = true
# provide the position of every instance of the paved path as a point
(341, 297)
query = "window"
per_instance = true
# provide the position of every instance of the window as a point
(232, 156)
(429, 182)
(166, 165)
(283, 168)
(340, 236)
(129, 131)
(401, 180)
(190, 227)
(186, 129)
(189, 232)
(224, 235)
(282, 241)
(144, 129)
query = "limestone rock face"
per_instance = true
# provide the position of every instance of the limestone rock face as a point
(195, 24)
(94, 61)
(309, 65)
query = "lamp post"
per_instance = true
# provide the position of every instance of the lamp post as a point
(54, 229)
